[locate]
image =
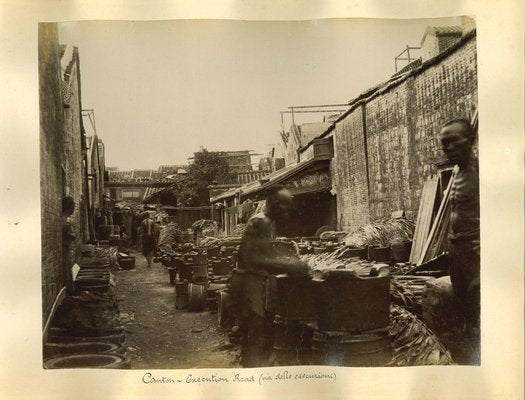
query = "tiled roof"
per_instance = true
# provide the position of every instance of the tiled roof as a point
(414, 64)
(150, 191)
(267, 180)
(443, 30)
(456, 29)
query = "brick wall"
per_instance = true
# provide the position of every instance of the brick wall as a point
(73, 153)
(402, 127)
(51, 148)
(349, 171)
(388, 135)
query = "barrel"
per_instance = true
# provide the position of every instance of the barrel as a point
(351, 350)
(380, 253)
(200, 258)
(401, 251)
(221, 267)
(348, 302)
(181, 295)
(199, 274)
(196, 297)
(292, 342)
(292, 297)
(211, 293)
(185, 271)
(112, 361)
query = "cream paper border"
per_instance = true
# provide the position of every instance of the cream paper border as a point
(501, 55)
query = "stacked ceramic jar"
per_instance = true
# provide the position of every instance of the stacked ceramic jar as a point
(86, 331)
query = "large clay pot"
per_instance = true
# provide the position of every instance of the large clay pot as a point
(54, 349)
(112, 361)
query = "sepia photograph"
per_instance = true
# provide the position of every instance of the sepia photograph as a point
(244, 194)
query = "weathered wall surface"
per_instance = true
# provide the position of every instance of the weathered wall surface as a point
(402, 126)
(388, 136)
(349, 175)
(51, 148)
(73, 154)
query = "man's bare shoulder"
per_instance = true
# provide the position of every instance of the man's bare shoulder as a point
(258, 223)
(259, 219)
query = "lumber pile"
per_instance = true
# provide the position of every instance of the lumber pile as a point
(430, 237)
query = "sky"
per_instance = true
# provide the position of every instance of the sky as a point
(163, 89)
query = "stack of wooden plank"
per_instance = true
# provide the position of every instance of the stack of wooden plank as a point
(425, 217)
(435, 243)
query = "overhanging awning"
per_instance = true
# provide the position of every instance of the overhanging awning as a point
(286, 176)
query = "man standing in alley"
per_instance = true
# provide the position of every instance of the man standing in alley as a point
(149, 238)
(457, 139)
(248, 285)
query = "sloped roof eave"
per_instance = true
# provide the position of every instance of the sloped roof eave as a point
(392, 82)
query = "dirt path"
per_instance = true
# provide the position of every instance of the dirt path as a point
(160, 336)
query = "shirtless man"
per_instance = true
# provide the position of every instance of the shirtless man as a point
(248, 286)
(457, 139)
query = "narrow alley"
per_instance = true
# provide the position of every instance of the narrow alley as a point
(160, 336)
(344, 233)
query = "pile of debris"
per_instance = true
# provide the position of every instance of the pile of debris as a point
(413, 343)
(170, 234)
(206, 227)
(381, 233)
(238, 230)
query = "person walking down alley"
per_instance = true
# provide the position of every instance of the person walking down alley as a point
(248, 284)
(150, 233)
(457, 139)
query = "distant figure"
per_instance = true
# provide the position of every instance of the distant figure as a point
(150, 233)
(248, 285)
(68, 237)
(457, 139)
